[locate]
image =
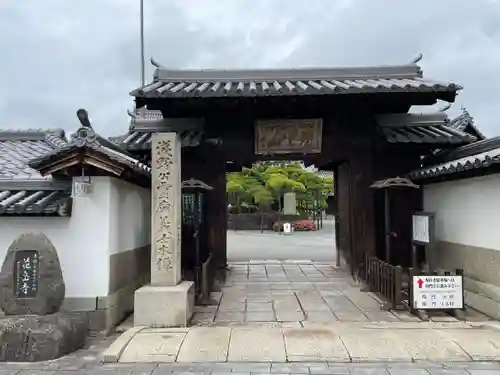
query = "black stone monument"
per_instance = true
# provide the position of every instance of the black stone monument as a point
(32, 291)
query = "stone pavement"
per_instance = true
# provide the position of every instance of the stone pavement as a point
(429, 368)
(334, 343)
(89, 362)
(296, 311)
(318, 246)
(295, 317)
(293, 292)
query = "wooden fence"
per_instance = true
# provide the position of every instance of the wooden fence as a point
(394, 285)
(386, 280)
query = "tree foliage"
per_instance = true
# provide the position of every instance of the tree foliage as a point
(265, 184)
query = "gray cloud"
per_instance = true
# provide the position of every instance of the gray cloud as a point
(58, 56)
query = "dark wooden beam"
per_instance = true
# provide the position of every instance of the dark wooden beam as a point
(306, 106)
(167, 124)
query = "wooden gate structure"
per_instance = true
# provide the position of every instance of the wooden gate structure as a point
(195, 250)
(354, 121)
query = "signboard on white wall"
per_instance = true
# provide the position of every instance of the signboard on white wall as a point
(422, 228)
(82, 189)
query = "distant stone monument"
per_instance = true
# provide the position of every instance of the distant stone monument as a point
(32, 291)
(289, 204)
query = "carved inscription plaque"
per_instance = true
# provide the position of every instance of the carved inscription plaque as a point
(26, 274)
(164, 236)
(288, 136)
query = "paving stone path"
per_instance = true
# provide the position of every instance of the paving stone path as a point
(88, 361)
(294, 293)
(334, 343)
(87, 366)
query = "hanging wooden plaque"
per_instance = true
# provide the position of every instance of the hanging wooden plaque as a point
(288, 136)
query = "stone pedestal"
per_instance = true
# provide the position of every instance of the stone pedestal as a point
(166, 302)
(164, 306)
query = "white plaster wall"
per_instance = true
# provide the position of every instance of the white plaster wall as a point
(467, 211)
(130, 216)
(81, 240)
(111, 219)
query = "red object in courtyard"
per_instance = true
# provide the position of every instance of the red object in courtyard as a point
(304, 225)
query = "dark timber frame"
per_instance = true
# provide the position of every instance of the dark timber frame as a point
(367, 135)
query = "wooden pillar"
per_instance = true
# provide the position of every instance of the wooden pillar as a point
(343, 215)
(217, 206)
(392, 161)
(362, 208)
(335, 188)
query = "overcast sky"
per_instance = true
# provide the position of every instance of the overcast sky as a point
(60, 55)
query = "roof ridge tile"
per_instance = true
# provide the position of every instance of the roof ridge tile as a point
(309, 72)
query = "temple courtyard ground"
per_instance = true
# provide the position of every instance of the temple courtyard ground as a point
(317, 246)
(289, 316)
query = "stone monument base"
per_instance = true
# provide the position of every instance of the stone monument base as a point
(164, 306)
(34, 338)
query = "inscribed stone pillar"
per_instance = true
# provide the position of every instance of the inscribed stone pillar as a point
(166, 209)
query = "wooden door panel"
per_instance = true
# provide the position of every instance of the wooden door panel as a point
(344, 212)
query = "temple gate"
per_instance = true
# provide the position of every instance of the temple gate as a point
(351, 120)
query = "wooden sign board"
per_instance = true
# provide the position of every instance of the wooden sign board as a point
(288, 136)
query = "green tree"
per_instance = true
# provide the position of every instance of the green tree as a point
(263, 198)
(235, 191)
(266, 182)
(238, 187)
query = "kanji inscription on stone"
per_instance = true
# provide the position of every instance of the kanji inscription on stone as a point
(26, 274)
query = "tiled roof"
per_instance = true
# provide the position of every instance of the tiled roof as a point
(35, 202)
(465, 123)
(86, 138)
(17, 147)
(142, 125)
(23, 190)
(432, 128)
(124, 159)
(477, 155)
(313, 81)
(135, 141)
